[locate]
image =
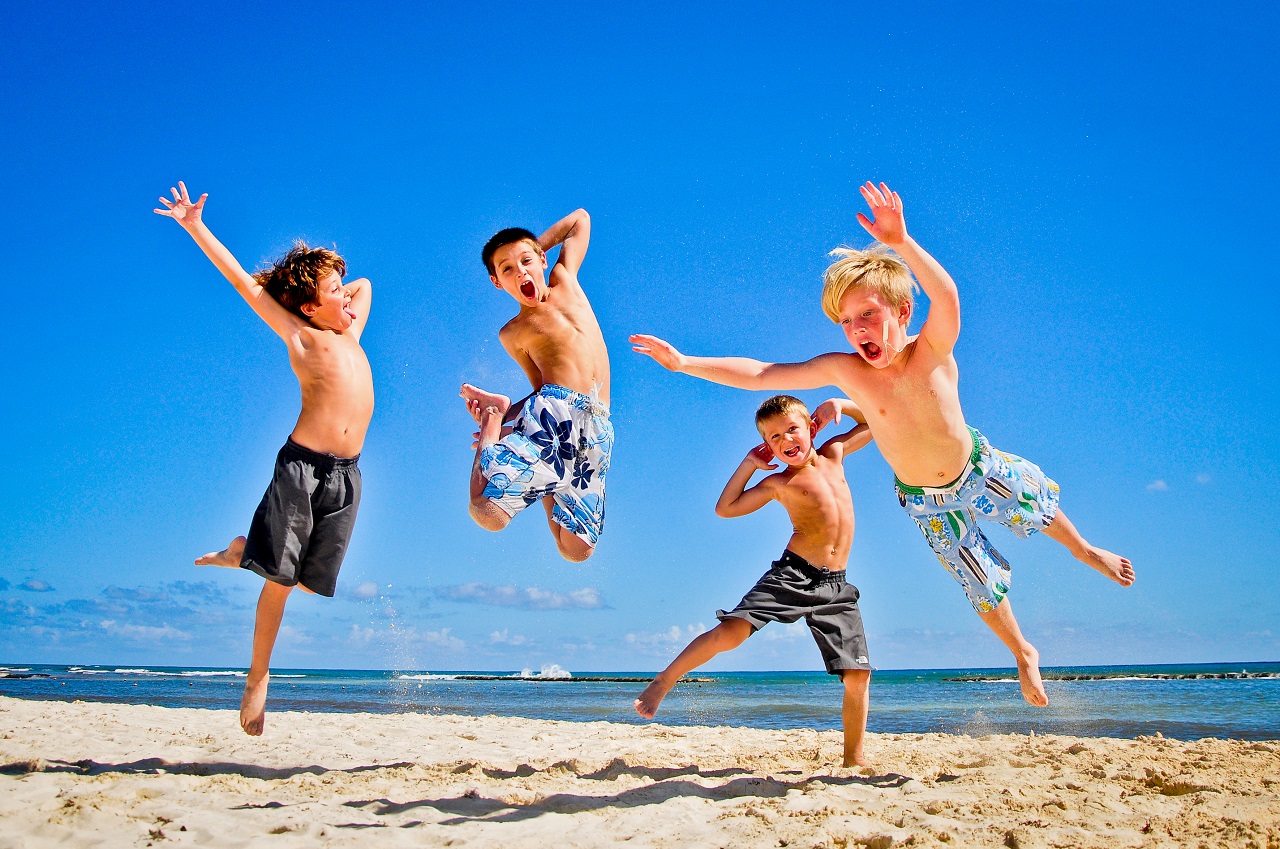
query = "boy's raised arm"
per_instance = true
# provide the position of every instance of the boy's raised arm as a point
(741, 372)
(572, 233)
(361, 292)
(736, 500)
(855, 439)
(889, 227)
(190, 216)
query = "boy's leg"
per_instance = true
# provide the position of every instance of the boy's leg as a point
(572, 547)
(857, 685)
(486, 514)
(1115, 567)
(728, 635)
(1001, 621)
(266, 626)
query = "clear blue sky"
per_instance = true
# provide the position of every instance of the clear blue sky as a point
(1100, 179)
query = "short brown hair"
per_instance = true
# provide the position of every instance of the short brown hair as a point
(502, 238)
(877, 268)
(292, 279)
(778, 405)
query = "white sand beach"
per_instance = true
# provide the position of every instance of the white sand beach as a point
(78, 774)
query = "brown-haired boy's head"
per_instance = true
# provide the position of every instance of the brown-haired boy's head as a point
(302, 278)
(517, 265)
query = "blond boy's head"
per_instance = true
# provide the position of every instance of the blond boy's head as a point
(876, 269)
(779, 405)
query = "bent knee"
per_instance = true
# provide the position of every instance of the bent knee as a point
(488, 515)
(574, 550)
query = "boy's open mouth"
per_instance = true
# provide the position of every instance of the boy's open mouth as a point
(792, 452)
(870, 350)
(527, 289)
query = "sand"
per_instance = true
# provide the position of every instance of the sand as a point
(79, 774)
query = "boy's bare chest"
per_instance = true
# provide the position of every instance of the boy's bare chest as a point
(815, 493)
(337, 362)
(922, 388)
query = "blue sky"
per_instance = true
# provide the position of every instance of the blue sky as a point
(1099, 179)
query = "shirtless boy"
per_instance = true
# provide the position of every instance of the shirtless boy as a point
(809, 578)
(557, 451)
(300, 531)
(947, 475)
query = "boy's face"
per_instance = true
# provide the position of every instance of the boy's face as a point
(875, 328)
(331, 310)
(521, 272)
(790, 437)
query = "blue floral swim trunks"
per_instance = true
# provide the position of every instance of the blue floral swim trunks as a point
(995, 486)
(560, 446)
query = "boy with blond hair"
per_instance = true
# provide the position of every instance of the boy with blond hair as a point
(946, 473)
(300, 531)
(557, 450)
(808, 580)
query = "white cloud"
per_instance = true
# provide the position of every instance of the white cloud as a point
(1157, 486)
(443, 639)
(147, 633)
(505, 637)
(793, 631)
(1203, 478)
(533, 598)
(663, 642)
(35, 585)
(368, 589)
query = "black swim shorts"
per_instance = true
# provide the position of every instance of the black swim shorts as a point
(300, 531)
(792, 588)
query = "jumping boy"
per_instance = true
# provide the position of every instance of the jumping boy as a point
(557, 451)
(947, 475)
(808, 580)
(300, 531)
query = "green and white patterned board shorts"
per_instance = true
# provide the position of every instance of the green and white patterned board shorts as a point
(994, 486)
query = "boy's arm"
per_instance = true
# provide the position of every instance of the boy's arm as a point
(833, 409)
(942, 327)
(842, 445)
(743, 373)
(361, 292)
(189, 216)
(572, 233)
(736, 500)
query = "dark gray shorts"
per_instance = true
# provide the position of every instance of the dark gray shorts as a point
(793, 588)
(300, 531)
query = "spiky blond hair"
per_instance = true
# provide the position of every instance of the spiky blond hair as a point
(876, 268)
(778, 405)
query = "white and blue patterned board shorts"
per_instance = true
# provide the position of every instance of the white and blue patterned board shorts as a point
(995, 486)
(560, 447)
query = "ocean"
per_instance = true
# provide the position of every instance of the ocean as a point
(1225, 700)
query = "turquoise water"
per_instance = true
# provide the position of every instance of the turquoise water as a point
(1119, 701)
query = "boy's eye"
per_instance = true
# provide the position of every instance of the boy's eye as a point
(867, 314)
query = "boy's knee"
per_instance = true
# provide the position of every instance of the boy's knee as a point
(855, 678)
(735, 631)
(488, 515)
(574, 550)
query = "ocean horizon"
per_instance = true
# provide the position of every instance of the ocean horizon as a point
(1238, 700)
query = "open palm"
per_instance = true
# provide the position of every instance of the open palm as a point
(181, 209)
(888, 226)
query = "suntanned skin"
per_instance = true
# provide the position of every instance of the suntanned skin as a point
(813, 489)
(555, 338)
(908, 389)
(337, 403)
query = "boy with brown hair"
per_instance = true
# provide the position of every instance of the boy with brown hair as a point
(808, 580)
(947, 475)
(558, 448)
(300, 531)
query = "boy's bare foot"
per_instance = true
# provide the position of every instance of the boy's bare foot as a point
(1029, 678)
(229, 556)
(253, 706)
(1115, 567)
(647, 704)
(478, 400)
(857, 760)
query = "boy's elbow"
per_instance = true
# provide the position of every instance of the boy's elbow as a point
(723, 511)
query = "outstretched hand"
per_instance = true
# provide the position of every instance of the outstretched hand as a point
(762, 457)
(664, 352)
(889, 227)
(181, 209)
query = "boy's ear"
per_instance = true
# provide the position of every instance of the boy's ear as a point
(495, 282)
(904, 311)
(308, 309)
(813, 428)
